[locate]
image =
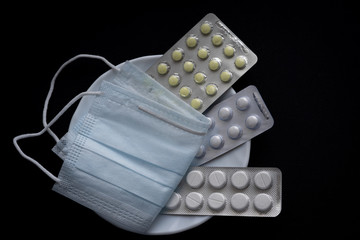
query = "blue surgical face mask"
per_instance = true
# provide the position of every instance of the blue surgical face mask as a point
(126, 155)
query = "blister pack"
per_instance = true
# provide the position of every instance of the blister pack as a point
(204, 63)
(235, 120)
(228, 192)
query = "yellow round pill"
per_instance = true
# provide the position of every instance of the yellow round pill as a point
(163, 68)
(214, 64)
(229, 51)
(199, 77)
(206, 28)
(217, 40)
(240, 62)
(177, 54)
(185, 92)
(211, 89)
(226, 76)
(196, 103)
(203, 52)
(191, 41)
(189, 66)
(174, 80)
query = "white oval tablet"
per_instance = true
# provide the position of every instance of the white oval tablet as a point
(234, 132)
(252, 122)
(195, 179)
(217, 179)
(243, 103)
(263, 202)
(240, 180)
(216, 141)
(263, 180)
(239, 202)
(216, 201)
(174, 201)
(225, 113)
(194, 201)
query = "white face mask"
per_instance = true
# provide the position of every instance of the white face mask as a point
(125, 157)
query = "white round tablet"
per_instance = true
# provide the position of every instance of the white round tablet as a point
(263, 202)
(195, 179)
(243, 103)
(216, 141)
(239, 202)
(194, 201)
(212, 123)
(174, 201)
(234, 132)
(263, 180)
(201, 152)
(240, 180)
(216, 201)
(217, 179)
(252, 122)
(225, 113)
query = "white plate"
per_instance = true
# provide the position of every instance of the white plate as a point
(238, 157)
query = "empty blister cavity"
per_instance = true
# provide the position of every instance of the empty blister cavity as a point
(209, 53)
(240, 197)
(236, 120)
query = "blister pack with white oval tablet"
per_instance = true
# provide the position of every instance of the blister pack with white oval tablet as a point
(228, 192)
(235, 120)
(204, 63)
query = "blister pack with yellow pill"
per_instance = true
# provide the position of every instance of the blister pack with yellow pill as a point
(234, 121)
(204, 63)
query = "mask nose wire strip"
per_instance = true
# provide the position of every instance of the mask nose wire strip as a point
(46, 127)
(52, 85)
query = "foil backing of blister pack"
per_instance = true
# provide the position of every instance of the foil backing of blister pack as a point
(228, 192)
(235, 120)
(204, 63)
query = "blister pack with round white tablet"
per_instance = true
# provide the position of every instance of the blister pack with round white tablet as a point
(204, 63)
(235, 120)
(228, 192)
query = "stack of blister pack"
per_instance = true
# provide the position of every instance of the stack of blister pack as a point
(160, 137)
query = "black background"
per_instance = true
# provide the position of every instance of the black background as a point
(307, 67)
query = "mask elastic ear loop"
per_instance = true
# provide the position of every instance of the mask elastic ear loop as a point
(52, 85)
(47, 126)
(67, 106)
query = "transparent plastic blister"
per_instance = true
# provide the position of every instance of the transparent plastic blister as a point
(204, 63)
(226, 191)
(235, 120)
